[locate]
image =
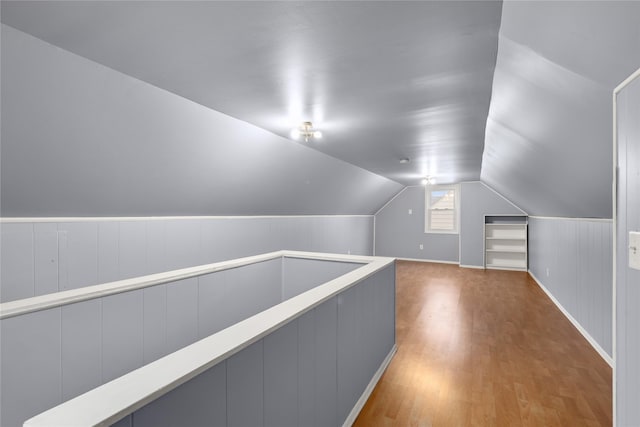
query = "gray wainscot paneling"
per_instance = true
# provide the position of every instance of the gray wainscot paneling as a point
(300, 275)
(310, 372)
(201, 401)
(281, 377)
(156, 246)
(54, 355)
(317, 370)
(627, 370)
(81, 343)
(16, 262)
(400, 233)
(30, 361)
(251, 289)
(78, 254)
(125, 422)
(155, 323)
(109, 252)
(132, 249)
(182, 244)
(572, 259)
(122, 334)
(366, 333)
(245, 387)
(212, 309)
(29, 261)
(182, 313)
(45, 246)
(45, 257)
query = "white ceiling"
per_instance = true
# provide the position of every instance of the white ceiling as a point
(382, 80)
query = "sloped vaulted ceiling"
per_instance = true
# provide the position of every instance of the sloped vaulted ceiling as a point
(548, 144)
(80, 139)
(383, 80)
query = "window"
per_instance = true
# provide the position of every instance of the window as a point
(441, 209)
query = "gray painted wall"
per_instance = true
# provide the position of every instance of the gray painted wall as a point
(400, 234)
(548, 134)
(628, 280)
(80, 139)
(578, 257)
(477, 201)
(299, 274)
(50, 356)
(74, 348)
(40, 258)
(310, 372)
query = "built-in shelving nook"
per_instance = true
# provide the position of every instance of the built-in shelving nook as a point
(505, 242)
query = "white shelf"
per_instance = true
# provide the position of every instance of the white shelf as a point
(506, 265)
(505, 243)
(508, 232)
(507, 238)
(503, 267)
(508, 251)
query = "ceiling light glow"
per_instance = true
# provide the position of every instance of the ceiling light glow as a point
(306, 131)
(428, 180)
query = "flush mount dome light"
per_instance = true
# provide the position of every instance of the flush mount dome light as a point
(405, 160)
(306, 131)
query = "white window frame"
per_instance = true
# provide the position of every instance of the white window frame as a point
(456, 208)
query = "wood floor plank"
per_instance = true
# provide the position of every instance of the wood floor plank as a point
(485, 348)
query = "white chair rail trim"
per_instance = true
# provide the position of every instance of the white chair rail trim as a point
(57, 299)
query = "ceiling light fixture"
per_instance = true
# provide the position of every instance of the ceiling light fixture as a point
(428, 180)
(405, 160)
(306, 131)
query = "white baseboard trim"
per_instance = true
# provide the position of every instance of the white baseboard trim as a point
(427, 260)
(575, 323)
(351, 418)
(479, 267)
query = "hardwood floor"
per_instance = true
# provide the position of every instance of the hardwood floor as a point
(485, 348)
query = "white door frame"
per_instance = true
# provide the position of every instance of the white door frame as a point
(616, 91)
